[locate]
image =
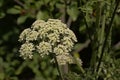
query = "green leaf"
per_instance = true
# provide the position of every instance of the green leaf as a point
(2, 76)
(73, 11)
(42, 15)
(44, 65)
(20, 69)
(17, 7)
(14, 10)
(1, 3)
(82, 28)
(60, 5)
(46, 1)
(22, 19)
(14, 78)
(2, 15)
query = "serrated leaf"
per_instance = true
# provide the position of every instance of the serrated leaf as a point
(22, 19)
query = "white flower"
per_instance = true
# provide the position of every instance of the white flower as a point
(64, 59)
(71, 34)
(26, 50)
(60, 50)
(61, 30)
(43, 32)
(53, 21)
(38, 24)
(32, 36)
(68, 43)
(44, 48)
(56, 22)
(52, 36)
(24, 34)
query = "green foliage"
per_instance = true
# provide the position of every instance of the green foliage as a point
(15, 10)
(89, 19)
(73, 11)
(2, 14)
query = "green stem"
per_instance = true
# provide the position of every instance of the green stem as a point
(102, 33)
(87, 28)
(85, 20)
(78, 64)
(106, 37)
(97, 25)
(58, 68)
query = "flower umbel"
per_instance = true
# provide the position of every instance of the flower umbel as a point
(46, 38)
(26, 50)
(44, 48)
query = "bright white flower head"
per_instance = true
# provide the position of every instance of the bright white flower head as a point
(32, 36)
(26, 50)
(24, 34)
(64, 59)
(60, 49)
(53, 38)
(44, 48)
(46, 38)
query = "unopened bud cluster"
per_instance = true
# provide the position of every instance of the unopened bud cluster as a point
(45, 38)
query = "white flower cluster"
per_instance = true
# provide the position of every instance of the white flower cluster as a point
(26, 50)
(51, 37)
(44, 48)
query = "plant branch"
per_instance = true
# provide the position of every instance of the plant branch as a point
(69, 21)
(106, 36)
(78, 64)
(20, 3)
(116, 46)
(84, 18)
(63, 11)
(84, 45)
(87, 27)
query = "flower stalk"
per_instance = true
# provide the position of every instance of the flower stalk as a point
(58, 68)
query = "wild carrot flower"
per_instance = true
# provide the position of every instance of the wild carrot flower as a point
(46, 38)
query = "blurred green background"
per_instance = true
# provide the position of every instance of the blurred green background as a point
(16, 15)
